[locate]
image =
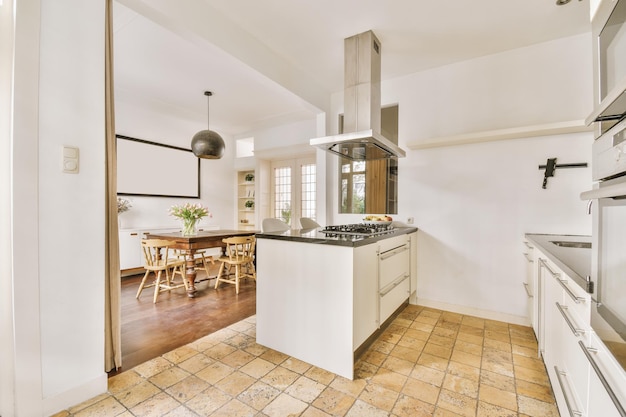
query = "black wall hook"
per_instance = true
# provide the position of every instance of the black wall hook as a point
(551, 166)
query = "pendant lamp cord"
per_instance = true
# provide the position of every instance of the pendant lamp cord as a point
(208, 94)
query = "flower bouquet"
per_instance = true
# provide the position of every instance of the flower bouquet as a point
(123, 205)
(190, 214)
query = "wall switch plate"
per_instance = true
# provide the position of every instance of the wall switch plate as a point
(70, 160)
(410, 220)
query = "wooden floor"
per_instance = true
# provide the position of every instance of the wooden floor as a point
(150, 330)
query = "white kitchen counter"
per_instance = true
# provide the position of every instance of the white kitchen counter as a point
(575, 262)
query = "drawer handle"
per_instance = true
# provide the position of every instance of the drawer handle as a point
(563, 282)
(577, 332)
(528, 245)
(527, 290)
(528, 258)
(393, 285)
(392, 252)
(603, 380)
(559, 376)
(134, 234)
(569, 292)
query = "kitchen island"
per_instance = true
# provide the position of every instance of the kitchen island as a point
(322, 298)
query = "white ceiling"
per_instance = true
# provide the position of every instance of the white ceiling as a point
(277, 61)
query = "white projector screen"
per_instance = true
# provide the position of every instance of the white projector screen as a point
(153, 169)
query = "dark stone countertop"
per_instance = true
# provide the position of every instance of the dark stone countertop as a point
(573, 261)
(317, 237)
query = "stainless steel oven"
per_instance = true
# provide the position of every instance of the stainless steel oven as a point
(608, 263)
(609, 50)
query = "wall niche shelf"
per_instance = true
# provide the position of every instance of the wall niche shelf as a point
(559, 128)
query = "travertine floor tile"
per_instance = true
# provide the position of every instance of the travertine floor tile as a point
(305, 389)
(389, 379)
(158, 405)
(491, 410)
(103, 408)
(428, 362)
(379, 396)
(410, 407)
(257, 368)
(187, 388)
(363, 409)
(196, 363)
(258, 395)
(534, 407)
(334, 402)
(169, 377)
(460, 385)
(536, 391)
(496, 380)
(457, 403)
(235, 383)
(499, 397)
(421, 390)
(178, 355)
(429, 375)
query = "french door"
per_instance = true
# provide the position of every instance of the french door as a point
(293, 193)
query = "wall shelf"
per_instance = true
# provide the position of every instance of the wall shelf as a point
(559, 128)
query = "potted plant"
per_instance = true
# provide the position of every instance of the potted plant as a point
(249, 177)
(249, 204)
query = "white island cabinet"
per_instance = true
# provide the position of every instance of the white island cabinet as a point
(319, 299)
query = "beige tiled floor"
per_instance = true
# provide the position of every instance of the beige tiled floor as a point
(427, 363)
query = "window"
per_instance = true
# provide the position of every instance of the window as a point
(308, 198)
(294, 191)
(352, 186)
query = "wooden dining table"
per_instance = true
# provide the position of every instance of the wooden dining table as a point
(190, 244)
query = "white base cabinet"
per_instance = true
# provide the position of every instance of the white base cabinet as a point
(130, 244)
(586, 380)
(309, 294)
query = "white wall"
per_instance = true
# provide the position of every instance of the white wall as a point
(473, 203)
(217, 177)
(57, 219)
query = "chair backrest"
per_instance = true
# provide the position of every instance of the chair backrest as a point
(274, 225)
(240, 248)
(155, 252)
(308, 223)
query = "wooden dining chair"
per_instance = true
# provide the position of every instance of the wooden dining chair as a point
(201, 260)
(239, 255)
(156, 255)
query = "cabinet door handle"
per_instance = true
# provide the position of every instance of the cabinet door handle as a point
(559, 376)
(603, 380)
(577, 332)
(527, 290)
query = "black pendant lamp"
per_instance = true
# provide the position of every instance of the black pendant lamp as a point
(208, 144)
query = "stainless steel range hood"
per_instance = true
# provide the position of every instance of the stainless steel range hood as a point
(361, 139)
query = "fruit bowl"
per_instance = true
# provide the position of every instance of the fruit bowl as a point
(377, 220)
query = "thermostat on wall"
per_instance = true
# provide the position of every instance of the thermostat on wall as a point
(70, 160)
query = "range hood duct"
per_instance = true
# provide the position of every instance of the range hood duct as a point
(361, 140)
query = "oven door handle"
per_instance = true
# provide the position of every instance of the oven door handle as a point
(609, 191)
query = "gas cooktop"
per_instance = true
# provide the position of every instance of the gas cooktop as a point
(358, 229)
